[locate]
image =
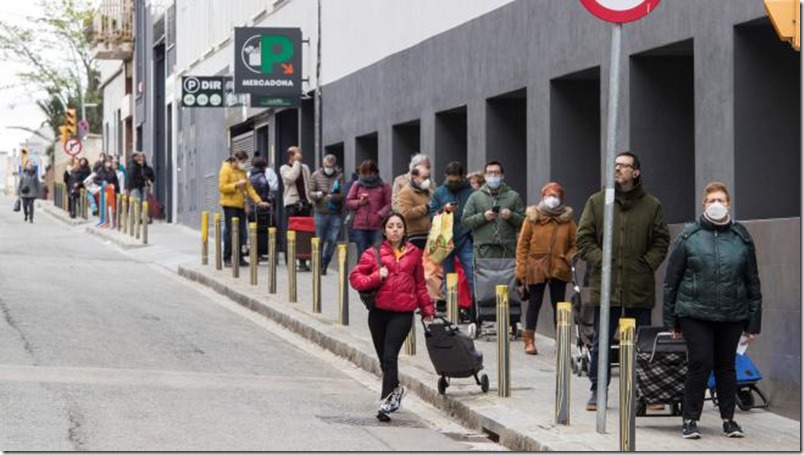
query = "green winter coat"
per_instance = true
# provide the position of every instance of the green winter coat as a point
(494, 239)
(639, 245)
(712, 275)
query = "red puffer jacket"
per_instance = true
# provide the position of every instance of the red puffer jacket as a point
(404, 288)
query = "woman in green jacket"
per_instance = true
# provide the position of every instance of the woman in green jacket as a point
(712, 296)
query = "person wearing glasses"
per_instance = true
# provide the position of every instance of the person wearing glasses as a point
(639, 245)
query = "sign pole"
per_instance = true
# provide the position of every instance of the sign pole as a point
(608, 225)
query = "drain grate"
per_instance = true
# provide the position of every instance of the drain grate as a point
(396, 421)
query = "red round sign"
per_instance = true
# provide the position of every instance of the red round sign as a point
(620, 11)
(73, 147)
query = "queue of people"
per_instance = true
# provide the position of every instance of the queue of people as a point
(390, 226)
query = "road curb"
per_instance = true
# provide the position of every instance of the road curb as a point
(123, 241)
(53, 211)
(326, 337)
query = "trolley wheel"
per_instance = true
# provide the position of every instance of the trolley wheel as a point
(745, 399)
(641, 408)
(484, 383)
(472, 331)
(442, 385)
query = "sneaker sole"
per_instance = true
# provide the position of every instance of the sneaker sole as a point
(735, 434)
(383, 417)
(591, 408)
(691, 436)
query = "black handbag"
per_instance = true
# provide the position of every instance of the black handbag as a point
(17, 205)
(369, 298)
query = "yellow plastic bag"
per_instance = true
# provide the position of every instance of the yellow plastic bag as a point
(439, 242)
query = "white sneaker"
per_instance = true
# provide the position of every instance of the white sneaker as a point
(395, 399)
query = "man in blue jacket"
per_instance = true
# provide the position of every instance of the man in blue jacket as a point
(451, 196)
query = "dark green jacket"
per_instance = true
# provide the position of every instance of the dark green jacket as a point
(712, 275)
(639, 245)
(494, 239)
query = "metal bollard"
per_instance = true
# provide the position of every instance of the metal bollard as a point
(627, 385)
(272, 260)
(145, 222)
(410, 341)
(503, 343)
(83, 203)
(563, 361)
(343, 288)
(452, 297)
(204, 237)
(315, 262)
(218, 256)
(137, 218)
(118, 215)
(252, 253)
(124, 214)
(291, 255)
(235, 247)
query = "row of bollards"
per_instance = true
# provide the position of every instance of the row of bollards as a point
(563, 327)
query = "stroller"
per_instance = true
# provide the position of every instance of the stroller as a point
(488, 274)
(583, 316)
(453, 354)
(747, 377)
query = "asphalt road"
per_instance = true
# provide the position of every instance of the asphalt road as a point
(100, 351)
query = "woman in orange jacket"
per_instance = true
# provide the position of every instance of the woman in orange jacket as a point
(544, 250)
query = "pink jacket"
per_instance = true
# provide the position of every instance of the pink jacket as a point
(369, 216)
(404, 289)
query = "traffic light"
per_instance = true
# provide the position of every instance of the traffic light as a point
(64, 134)
(69, 117)
(785, 15)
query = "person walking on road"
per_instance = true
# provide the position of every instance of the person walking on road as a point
(546, 245)
(638, 249)
(398, 278)
(327, 193)
(233, 185)
(414, 202)
(28, 190)
(712, 296)
(370, 199)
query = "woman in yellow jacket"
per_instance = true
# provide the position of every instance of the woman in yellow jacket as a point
(233, 184)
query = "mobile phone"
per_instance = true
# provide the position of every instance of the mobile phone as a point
(495, 208)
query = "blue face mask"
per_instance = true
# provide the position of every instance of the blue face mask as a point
(494, 181)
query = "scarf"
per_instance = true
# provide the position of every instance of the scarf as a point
(370, 183)
(542, 207)
(724, 222)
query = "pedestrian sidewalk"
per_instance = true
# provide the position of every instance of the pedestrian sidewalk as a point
(523, 421)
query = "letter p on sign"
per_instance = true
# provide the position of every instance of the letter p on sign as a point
(275, 49)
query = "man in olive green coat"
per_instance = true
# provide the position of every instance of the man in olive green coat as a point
(495, 214)
(639, 245)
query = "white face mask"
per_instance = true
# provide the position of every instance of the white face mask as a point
(425, 184)
(716, 211)
(552, 201)
(329, 171)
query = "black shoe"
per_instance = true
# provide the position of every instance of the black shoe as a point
(227, 263)
(243, 263)
(690, 430)
(383, 417)
(31, 220)
(732, 430)
(26, 217)
(323, 270)
(591, 405)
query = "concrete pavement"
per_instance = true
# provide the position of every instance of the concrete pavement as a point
(523, 421)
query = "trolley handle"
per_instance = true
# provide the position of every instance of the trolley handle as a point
(442, 320)
(656, 342)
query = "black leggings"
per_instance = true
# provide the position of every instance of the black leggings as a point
(557, 290)
(28, 206)
(711, 346)
(388, 332)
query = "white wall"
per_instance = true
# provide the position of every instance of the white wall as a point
(113, 95)
(356, 33)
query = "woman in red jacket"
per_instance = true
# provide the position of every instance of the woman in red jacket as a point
(399, 280)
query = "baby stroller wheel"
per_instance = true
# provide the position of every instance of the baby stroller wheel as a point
(745, 399)
(442, 385)
(484, 383)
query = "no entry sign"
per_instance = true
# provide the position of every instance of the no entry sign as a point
(620, 11)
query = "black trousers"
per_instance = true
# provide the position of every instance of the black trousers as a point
(642, 316)
(710, 346)
(228, 214)
(388, 332)
(558, 289)
(28, 206)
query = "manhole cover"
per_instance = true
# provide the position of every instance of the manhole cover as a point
(396, 421)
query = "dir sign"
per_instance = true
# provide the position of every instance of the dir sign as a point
(267, 61)
(202, 91)
(620, 11)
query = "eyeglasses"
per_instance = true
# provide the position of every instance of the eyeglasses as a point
(623, 165)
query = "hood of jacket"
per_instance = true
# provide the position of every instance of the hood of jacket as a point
(535, 215)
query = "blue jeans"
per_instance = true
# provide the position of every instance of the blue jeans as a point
(465, 255)
(642, 316)
(327, 228)
(364, 238)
